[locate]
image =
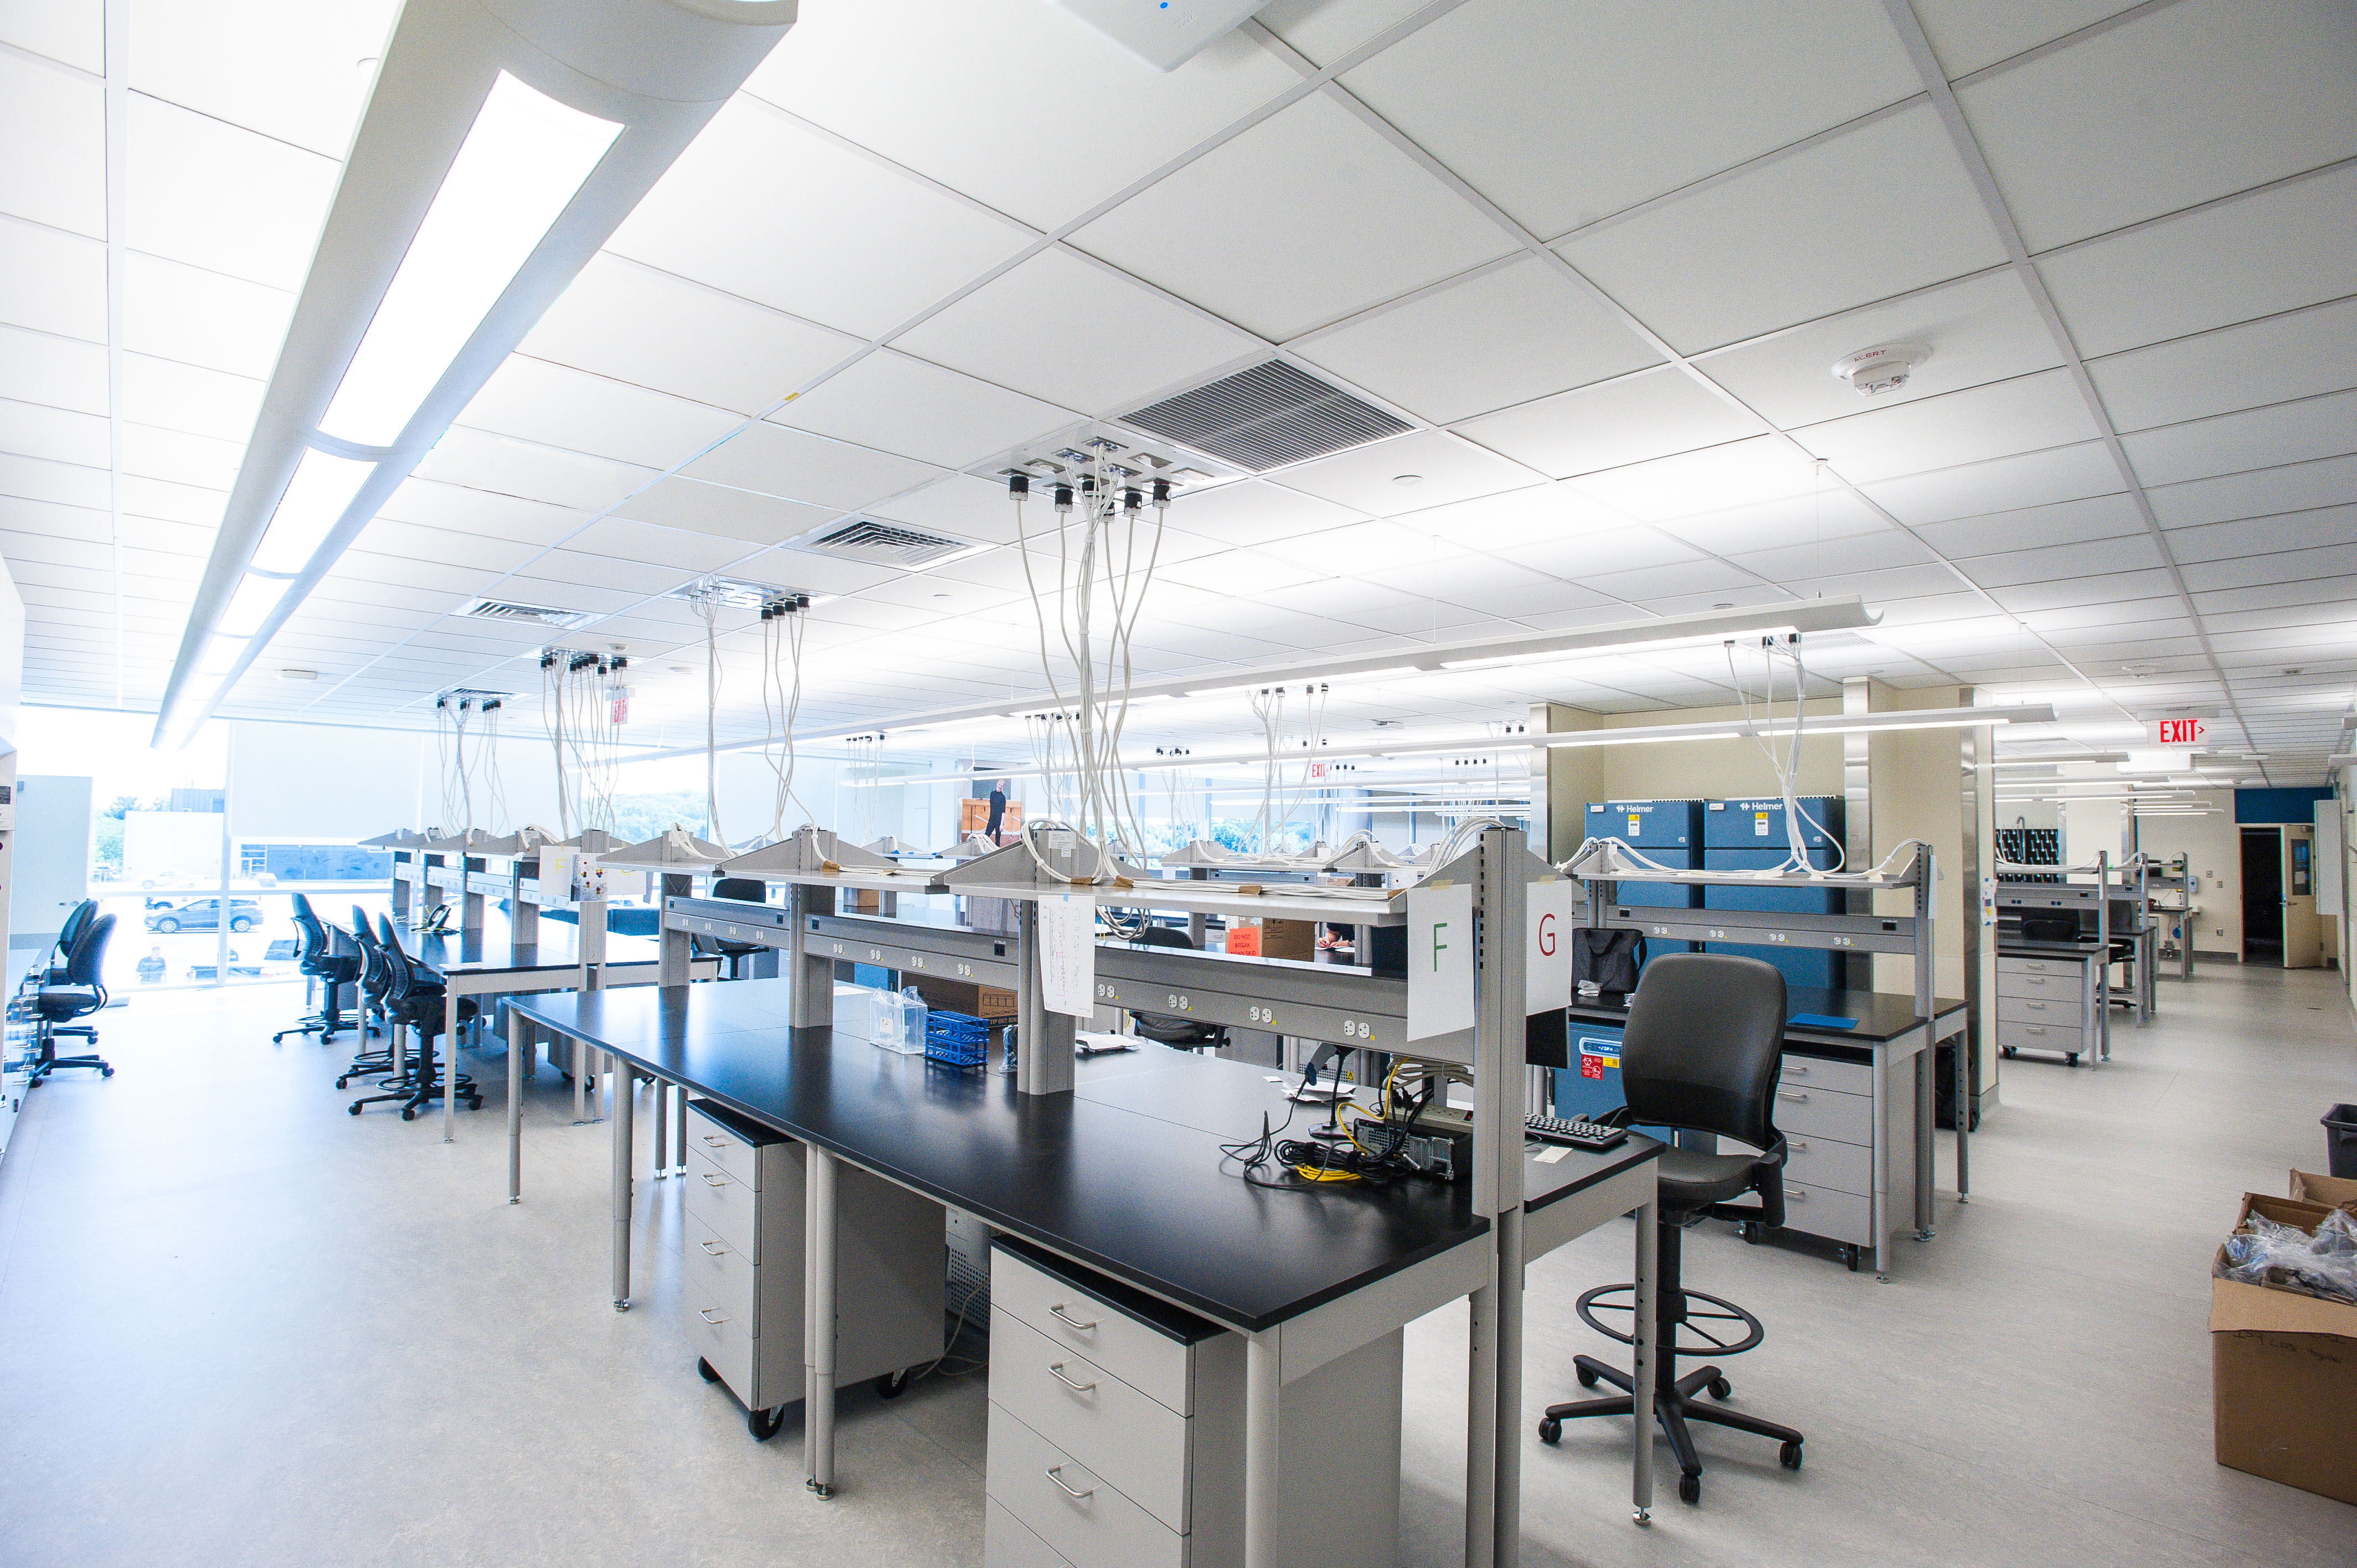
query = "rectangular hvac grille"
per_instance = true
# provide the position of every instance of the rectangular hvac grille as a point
(524, 615)
(1268, 416)
(885, 544)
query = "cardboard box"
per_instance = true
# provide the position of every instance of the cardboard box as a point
(1296, 939)
(2283, 1373)
(962, 996)
(2337, 1192)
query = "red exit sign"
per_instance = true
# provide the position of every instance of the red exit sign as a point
(2177, 732)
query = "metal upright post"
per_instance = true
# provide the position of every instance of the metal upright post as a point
(818, 1321)
(1643, 1355)
(812, 997)
(621, 1186)
(663, 1127)
(2103, 955)
(1263, 1454)
(678, 947)
(1858, 819)
(1044, 1036)
(517, 1039)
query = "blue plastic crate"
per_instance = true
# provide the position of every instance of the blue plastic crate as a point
(956, 1040)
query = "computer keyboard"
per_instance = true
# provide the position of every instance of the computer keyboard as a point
(1578, 1134)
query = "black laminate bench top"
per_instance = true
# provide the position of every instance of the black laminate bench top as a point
(1125, 1175)
(1880, 1014)
(494, 949)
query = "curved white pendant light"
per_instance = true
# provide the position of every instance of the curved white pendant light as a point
(504, 141)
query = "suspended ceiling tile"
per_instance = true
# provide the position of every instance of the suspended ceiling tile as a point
(1968, 35)
(623, 539)
(475, 551)
(582, 413)
(1253, 511)
(1649, 585)
(1627, 421)
(49, 517)
(896, 403)
(177, 503)
(636, 323)
(195, 540)
(790, 220)
(60, 372)
(1755, 251)
(2263, 535)
(37, 429)
(68, 484)
(1714, 478)
(2187, 104)
(179, 457)
(2096, 517)
(2002, 484)
(2269, 251)
(1813, 563)
(2328, 560)
(1242, 571)
(1306, 218)
(1437, 468)
(2296, 355)
(2001, 419)
(816, 573)
(489, 462)
(21, 547)
(458, 508)
(961, 92)
(177, 396)
(285, 68)
(2255, 438)
(1030, 329)
(635, 578)
(2127, 553)
(967, 508)
(210, 194)
(795, 465)
(51, 280)
(1562, 112)
(2294, 487)
(53, 122)
(1585, 556)
(729, 513)
(2089, 588)
(1979, 330)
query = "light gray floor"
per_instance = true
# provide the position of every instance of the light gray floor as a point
(239, 1327)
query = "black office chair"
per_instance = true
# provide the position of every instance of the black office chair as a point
(415, 1001)
(53, 967)
(80, 992)
(1702, 1051)
(1169, 1028)
(318, 959)
(744, 890)
(376, 985)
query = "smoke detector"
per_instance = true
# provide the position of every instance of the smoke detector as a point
(1882, 369)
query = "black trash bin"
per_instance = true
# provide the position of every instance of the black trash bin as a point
(2341, 1140)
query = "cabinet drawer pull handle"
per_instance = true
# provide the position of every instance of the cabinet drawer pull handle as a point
(1068, 1321)
(712, 1248)
(1795, 1069)
(2039, 1006)
(1057, 1371)
(711, 1180)
(1796, 1143)
(715, 1142)
(1055, 1474)
(1796, 1195)
(705, 1313)
(1782, 1094)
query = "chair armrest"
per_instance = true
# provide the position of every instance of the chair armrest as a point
(1768, 1181)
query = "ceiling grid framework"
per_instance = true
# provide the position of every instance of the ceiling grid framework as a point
(2014, 550)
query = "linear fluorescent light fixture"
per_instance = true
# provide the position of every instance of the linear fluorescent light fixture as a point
(501, 146)
(1737, 729)
(522, 161)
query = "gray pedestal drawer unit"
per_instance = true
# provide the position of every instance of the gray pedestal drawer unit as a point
(2050, 1001)
(741, 1277)
(1116, 1433)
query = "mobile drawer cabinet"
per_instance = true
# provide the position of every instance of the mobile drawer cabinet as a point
(741, 1274)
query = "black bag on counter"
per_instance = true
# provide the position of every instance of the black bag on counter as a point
(1607, 960)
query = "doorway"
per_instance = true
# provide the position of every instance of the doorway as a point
(2263, 896)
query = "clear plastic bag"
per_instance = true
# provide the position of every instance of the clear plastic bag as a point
(897, 1022)
(2264, 1252)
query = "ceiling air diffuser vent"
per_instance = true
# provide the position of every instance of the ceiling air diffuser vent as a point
(524, 615)
(884, 544)
(1268, 416)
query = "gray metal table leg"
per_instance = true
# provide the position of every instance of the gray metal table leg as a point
(1642, 1353)
(1481, 1430)
(516, 1037)
(1263, 1388)
(1506, 1508)
(679, 1141)
(1927, 1111)
(449, 1061)
(818, 1321)
(621, 1194)
(663, 1129)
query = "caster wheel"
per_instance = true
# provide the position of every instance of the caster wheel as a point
(408, 1113)
(703, 1369)
(354, 1108)
(2072, 1059)
(339, 1083)
(1586, 1378)
(106, 1072)
(1689, 1489)
(474, 1102)
(1749, 1230)
(764, 1423)
(1789, 1455)
(1849, 1256)
(1550, 1430)
(2009, 1053)
(892, 1385)
(1721, 1390)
